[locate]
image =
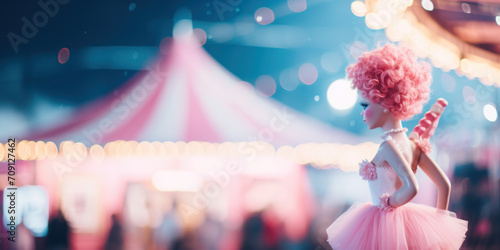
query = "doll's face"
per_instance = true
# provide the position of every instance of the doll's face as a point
(373, 113)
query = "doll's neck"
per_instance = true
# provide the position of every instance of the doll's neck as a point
(392, 125)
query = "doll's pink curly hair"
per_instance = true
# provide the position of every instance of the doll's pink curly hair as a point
(392, 77)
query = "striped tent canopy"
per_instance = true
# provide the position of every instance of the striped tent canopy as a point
(185, 95)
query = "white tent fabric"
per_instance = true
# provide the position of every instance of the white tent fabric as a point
(187, 96)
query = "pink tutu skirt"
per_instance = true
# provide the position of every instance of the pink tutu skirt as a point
(412, 226)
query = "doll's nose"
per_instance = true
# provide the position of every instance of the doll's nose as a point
(362, 112)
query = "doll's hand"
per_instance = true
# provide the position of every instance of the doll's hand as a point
(384, 204)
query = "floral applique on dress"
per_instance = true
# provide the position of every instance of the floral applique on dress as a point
(367, 170)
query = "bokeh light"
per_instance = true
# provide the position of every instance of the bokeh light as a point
(51, 150)
(145, 149)
(297, 5)
(80, 151)
(466, 8)
(308, 73)
(41, 151)
(404, 26)
(465, 66)
(66, 148)
(97, 153)
(31, 150)
(264, 16)
(200, 35)
(497, 19)
(265, 85)
(358, 8)
(331, 62)
(289, 79)
(171, 149)
(22, 150)
(490, 112)
(63, 55)
(132, 6)
(427, 5)
(448, 82)
(316, 98)
(340, 95)
(469, 94)
(374, 21)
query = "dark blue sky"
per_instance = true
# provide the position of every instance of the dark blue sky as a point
(325, 27)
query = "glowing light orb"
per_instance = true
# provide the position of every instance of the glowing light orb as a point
(80, 151)
(200, 35)
(340, 95)
(297, 5)
(427, 5)
(374, 21)
(308, 73)
(490, 112)
(22, 150)
(63, 55)
(404, 26)
(31, 150)
(331, 62)
(465, 66)
(466, 8)
(264, 16)
(51, 149)
(289, 79)
(41, 151)
(97, 153)
(265, 85)
(469, 94)
(448, 82)
(132, 6)
(358, 8)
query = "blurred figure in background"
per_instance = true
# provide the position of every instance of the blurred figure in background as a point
(58, 235)
(475, 204)
(115, 236)
(253, 229)
(189, 240)
(262, 230)
(211, 232)
(169, 229)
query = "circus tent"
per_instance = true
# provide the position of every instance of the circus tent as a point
(187, 96)
(184, 96)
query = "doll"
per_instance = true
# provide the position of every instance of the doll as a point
(393, 86)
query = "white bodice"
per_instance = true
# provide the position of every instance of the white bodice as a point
(382, 179)
(385, 183)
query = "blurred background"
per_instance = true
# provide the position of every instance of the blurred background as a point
(227, 124)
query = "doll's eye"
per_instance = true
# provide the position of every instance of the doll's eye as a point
(364, 105)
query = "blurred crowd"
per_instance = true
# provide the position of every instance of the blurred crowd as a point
(474, 198)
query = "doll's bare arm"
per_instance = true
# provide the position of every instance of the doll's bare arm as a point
(439, 178)
(391, 154)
